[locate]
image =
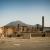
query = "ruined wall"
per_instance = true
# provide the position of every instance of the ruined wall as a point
(1, 32)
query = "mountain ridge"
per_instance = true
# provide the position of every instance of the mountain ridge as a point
(15, 24)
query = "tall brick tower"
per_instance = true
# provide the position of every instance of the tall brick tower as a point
(42, 23)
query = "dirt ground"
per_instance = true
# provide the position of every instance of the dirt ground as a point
(35, 43)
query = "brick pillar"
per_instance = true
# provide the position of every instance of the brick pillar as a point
(42, 23)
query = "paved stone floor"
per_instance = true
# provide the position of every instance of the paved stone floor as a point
(35, 43)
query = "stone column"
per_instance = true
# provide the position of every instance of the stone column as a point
(42, 23)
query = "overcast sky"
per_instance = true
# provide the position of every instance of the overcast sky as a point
(27, 11)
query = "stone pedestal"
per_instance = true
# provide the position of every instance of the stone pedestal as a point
(26, 36)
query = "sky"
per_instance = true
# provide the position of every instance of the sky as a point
(27, 11)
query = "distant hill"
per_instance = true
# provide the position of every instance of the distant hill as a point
(15, 24)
